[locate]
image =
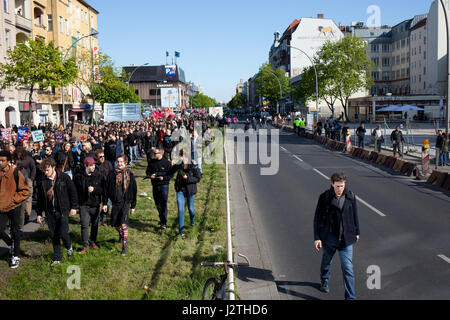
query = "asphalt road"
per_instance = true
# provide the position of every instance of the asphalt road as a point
(405, 225)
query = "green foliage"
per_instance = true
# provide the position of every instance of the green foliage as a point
(237, 102)
(269, 87)
(35, 63)
(199, 100)
(112, 88)
(343, 69)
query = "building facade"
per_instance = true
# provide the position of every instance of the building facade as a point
(65, 22)
(15, 27)
(160, 86)
(418, 41)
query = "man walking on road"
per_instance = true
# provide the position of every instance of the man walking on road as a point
(397, 141)
(336, 228)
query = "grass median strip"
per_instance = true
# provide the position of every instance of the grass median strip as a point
(169, 266)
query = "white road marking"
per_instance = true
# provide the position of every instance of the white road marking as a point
(297, 158)
(284, 149)
(444, 258)
(371, 207)
(321, 174)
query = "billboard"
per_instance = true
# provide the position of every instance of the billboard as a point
(122, 112)
(170, 98)
(170, 70)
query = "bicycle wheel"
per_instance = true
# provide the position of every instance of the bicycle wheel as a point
(209, 290)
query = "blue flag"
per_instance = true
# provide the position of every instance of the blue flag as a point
(177, 54)
(167, 53)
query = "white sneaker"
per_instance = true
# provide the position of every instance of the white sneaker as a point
(54, 263)
(14, 262)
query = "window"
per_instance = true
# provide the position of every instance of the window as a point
(424, 55)
(386, 62)
(398, 60)
(5, 5)
(420, 78)
(398, 44)
(424, 70)
(82, 15)
(136, 91)
(86, 17)
(7, 38)
(424, 40)
(375, 61)
(155, 92)
(50, 22)
(375, 75)
(374, 48)
(61, 28)
(385, 47)
(420, 50)
(386, 75)
(403, 43)
(67, 26)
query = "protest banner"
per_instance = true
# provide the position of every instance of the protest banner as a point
(80, 131)
(37, 135)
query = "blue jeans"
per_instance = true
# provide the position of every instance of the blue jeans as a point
(443, 158)
(133, 151)
(182, 196)
(345, 254)
(361, 142)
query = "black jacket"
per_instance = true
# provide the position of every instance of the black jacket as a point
(397, 136)
(189, 184)
(328, 219)
(439, 141)
(65, 194)
(82, 181)
(110, 150)
(361, 132)
(162, 168)
(149, 143)
(115, 196)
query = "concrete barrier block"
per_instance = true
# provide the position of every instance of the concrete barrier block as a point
(373, 156)
(398, 165)
(408, 168)
(365, 155)
(446, 184)
(381, 159)
(390, 162)
(437, 178)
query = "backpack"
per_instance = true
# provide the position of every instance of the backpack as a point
(16, 176)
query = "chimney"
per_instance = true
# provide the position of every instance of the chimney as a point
(320, 16)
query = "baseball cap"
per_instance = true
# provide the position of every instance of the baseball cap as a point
(89, 161)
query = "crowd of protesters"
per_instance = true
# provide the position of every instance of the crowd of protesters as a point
(92, 177)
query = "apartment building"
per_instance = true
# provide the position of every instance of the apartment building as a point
(15, 27)
(65, 22)
(418, 41)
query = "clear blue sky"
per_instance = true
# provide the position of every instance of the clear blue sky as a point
(220, 41)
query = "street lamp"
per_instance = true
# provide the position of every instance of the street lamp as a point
(281, 92)
(94, 34)
(317, 81)
(129, 79)
(448, 69)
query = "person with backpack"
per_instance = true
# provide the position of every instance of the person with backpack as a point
(397, 141)
(336, 228)
(361, 133)
(13, 191)
(57, 198)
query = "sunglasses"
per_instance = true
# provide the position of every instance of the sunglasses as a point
(101, 157)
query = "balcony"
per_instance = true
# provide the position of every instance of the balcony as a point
(24, 23)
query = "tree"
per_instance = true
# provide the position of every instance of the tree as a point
(111, 87)
(237, 102)
(199, 100)
(269, 81)
(33, 64)
(343, 69)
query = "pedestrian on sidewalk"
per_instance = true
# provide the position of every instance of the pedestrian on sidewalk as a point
(159, 171)
(13, 191)
(336, 228)
(397, 141)
(378, 137)
(297, 126)
(444, 151)
(361, 133)
(186, 188)
(90, 186)
(57, 197)
(121, 189)
(439, 141)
